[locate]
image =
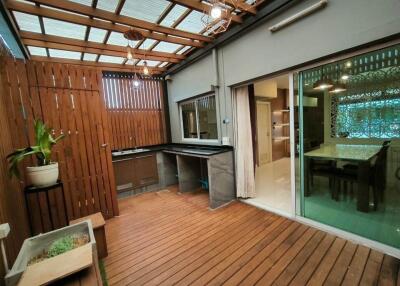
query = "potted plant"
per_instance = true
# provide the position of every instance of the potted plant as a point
(46, 172)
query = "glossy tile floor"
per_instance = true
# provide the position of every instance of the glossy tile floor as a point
(273, 186)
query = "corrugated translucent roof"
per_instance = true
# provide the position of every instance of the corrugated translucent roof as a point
(131, 62)
(89, 57)
(108, 5)
(163, 64)
(65, 54)
(84, 2)
(27, 22)
(149, 63)
(36, 51)
(149, 10)
(117, 39)
(147, 44)
(166, 47)
(111, 59)
(97, 35)
(64, 29)
(173, 15)
(192, 23)
(183, 50)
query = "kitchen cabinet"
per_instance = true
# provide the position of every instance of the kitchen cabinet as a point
(135, 171)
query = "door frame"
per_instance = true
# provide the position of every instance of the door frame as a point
(270, 131)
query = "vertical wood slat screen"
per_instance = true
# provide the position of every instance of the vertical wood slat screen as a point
(137, 114)
(67, 98)
(12, 205)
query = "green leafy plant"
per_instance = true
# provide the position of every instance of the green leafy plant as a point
(61, 246)
(42, 150)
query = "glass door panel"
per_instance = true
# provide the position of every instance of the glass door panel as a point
(349, 136)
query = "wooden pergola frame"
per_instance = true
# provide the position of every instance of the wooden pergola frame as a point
(93, 17)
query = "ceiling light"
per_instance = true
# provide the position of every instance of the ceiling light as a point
(216, 11)
(348, 64)
(323, 84)
(136, 81)
(339, 87)
(145, 68)
(129, 54)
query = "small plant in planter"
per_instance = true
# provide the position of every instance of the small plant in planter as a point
(46, 172)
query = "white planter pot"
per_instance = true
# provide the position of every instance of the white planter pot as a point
(43, 175)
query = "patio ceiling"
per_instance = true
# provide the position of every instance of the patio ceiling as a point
(91, 31)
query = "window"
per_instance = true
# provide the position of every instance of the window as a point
(199, 119)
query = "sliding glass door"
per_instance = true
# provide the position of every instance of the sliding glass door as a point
(348, 167)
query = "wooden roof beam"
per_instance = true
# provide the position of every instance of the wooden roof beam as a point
(120, 19)
(243, 6)
(91, 50)
(161, 56)
(100, 65)
(82, 20)
(201, 7)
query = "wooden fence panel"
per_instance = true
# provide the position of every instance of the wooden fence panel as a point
(67, 98)
(137, 115)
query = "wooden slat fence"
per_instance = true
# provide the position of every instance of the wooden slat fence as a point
(137, 114)
(68, 98)
(12, 206)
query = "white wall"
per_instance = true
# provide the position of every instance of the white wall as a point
(343, 24)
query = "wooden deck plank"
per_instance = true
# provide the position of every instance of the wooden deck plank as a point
(167, 238)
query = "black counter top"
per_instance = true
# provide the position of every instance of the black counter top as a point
(190, 149)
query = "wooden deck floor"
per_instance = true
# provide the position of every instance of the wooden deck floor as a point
(166, 238)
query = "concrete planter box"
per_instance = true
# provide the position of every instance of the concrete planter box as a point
(54, 268)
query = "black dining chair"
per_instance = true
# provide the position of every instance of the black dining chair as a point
(349, 175)
(322, 168)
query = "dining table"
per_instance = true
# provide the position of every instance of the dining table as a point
(361, 155)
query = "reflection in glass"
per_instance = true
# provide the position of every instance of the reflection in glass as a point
(207, 118)
(350, 147)
(189, 119)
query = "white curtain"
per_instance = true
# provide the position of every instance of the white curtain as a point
(245, 185)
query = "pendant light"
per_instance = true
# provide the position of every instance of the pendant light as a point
(338, 86)
(323, 83)
(136, 81)
(129, 54)
(145, 68)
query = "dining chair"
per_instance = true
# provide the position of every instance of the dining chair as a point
(323, 168)
(349, 175)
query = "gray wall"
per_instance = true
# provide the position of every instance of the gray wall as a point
(343, 24)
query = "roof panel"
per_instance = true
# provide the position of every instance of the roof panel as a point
(192, 23)
(163, 64)
(27, 22)
(183, 50)
(64, 29)
(84, 2)
(147, 44)
(65, 54)
(173, 15)
(118, 39)
(108, 5)
(149, 10)
(97, 35)
(36, 51)
(166, 47)
(111, 59)
(89, 57)
(149, 63)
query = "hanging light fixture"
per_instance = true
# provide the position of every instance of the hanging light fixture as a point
(136, 81)
(217, 16)
(338, 86)
(323, 83)
(132, 36)
(129, 54)
(145, 68)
